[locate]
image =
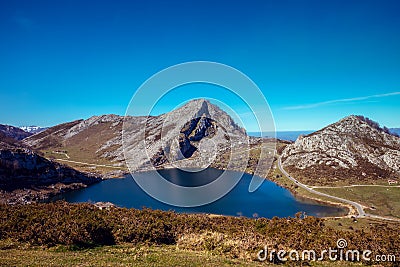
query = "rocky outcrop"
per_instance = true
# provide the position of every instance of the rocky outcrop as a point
(21, 168)
(26, 176)
(349, 151)
(190, 136)
(179, 135)
(13, 132)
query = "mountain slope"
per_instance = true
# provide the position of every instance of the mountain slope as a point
(190, 136)
(26, 176)
(350, 151)
(175, 136)
(13, 132)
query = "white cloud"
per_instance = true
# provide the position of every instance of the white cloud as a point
(354, 99)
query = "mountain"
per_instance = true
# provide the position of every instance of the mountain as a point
(351, 151)
(395, 131)
(26, 176)
(176, 136)
(32, 129)
(190, 136)
(282, 135)
(13, 132)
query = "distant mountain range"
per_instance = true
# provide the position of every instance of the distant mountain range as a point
(282, 135)
(32, 129)
(19, 133)
(395, 131)
(293, 135)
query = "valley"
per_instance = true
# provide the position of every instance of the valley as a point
(342, 167)
(335, 165)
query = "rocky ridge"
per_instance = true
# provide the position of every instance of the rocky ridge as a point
(348, 151)
(13, 132)
(26, 176)
(191, 135)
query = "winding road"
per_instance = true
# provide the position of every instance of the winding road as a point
(358, 206)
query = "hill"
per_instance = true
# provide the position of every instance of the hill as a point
(26, 176)
(350, 151)
(13, 132)
(189, 136)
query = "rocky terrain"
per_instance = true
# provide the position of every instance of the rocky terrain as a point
(195, 135)
(190, 136)
(354, 150)
(13, 132)
(26, 176)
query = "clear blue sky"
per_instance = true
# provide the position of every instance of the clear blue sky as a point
(315, 61)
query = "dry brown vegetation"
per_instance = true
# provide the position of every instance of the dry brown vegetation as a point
(321, 175)
(84, 225)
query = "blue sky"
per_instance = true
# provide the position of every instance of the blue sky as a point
(315, 61)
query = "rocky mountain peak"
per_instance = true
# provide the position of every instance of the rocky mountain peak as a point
(195, 131)
(198, 108)
(349, 124)
(358, 127)
(195, 108)
(203, 110)
(354, 148)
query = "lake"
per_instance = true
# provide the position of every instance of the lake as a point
(268, 201)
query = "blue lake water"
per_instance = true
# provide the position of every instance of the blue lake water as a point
(268, 201)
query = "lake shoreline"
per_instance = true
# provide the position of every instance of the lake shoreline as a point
(298, 195)
(271, 200)
(350, 210)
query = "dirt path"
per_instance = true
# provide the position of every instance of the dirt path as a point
(91, 164)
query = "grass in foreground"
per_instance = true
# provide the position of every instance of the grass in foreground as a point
(38, 234)
(128, 255)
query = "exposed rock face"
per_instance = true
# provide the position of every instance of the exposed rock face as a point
(52, 137)
(349, 151)
(190, 136)
(21, 168)
(13, 132)
(194, 132)
(23, 171)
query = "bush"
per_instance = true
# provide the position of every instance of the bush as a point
(84, 225)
